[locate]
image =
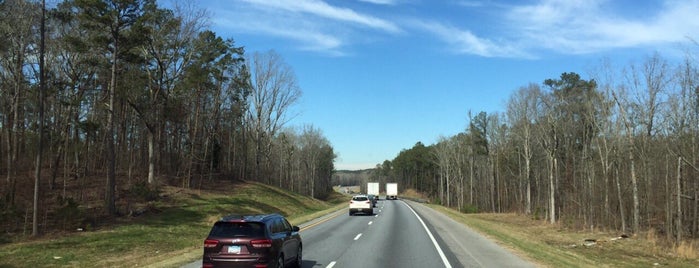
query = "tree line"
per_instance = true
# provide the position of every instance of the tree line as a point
(126, 90)
(617, 151)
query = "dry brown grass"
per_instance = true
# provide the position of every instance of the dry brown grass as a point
(556, 245)
(410, 193)
(687, 250)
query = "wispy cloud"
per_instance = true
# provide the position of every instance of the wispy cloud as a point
(581, 26)
(322, 9)
(281, 26)
(313, 24)
(481, 27)
(380, 2)
(568, 27)
(465, 42)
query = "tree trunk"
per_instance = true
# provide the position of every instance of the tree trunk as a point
(634, 184)
(110, 204)
(621, 201)
(471, 175)
(527, 178)
(40, 149)
(151, 157)
(668, 202)
(552, 190)
(679, 200)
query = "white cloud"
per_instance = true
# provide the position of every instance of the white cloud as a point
(306, 34)
(589, 26)
(465, 42)
(380, 2)
(322, 9)
(315, 25)
(503, 30)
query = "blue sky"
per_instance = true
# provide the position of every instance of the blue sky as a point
(380, 75)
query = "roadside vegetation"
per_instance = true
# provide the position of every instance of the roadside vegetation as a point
(93, 118)
(169, 234)
(557, 246)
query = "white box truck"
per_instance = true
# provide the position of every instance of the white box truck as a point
(391, 191)
(373, 188)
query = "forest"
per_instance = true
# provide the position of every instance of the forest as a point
(124, 94)
(616, 151)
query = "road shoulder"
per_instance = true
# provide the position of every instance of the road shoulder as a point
(470, 247)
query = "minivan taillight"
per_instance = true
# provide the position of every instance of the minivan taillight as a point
(210, 243)
(263, 243)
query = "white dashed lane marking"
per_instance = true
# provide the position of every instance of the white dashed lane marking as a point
(357, 237)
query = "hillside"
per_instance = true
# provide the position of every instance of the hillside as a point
(168, 230)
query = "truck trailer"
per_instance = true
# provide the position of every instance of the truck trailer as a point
(391, 191)
(373, 188)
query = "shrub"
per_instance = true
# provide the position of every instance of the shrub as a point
(469, 209)
(69, 212)
(144, 191)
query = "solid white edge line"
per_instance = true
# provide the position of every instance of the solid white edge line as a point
(330, 265)
(434, 241)
(358, 236)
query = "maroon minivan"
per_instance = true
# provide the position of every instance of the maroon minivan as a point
(253, 241)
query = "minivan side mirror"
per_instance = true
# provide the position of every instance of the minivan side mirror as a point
(295, 229)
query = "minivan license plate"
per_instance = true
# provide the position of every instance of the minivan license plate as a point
(234, 249)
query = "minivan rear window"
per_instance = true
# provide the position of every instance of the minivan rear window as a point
(237, 229)
(360, 198)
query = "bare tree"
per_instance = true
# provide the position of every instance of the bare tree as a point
(40, 149)
(522, 111)
(548, 138)
(649, 86)
(311, 146)
(606, 144)
(632, 162)
(16, 30)
(274, 92)
(443, 156)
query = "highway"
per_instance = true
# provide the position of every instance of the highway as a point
(400, 234)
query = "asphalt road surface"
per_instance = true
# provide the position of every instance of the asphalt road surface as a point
(399, 234)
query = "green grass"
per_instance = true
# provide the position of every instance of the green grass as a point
(167, 238)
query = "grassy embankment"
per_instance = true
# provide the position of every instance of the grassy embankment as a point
(168, 238)
(554, 246)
